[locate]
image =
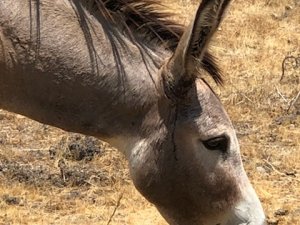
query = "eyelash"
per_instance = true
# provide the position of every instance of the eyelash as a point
(217, 144)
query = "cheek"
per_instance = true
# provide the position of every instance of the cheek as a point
(222, 187)
(214, 180)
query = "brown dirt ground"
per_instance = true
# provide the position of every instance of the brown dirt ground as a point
(48, 176)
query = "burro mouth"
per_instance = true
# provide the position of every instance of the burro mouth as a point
(248, 211)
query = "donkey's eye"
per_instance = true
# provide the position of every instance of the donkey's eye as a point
(218, 143)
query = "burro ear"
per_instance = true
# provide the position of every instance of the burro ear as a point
(179, 71)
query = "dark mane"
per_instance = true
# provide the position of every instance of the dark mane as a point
(151, 18)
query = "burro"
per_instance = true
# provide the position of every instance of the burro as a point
(123, 71)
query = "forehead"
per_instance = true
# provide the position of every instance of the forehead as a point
(204, 110)
(206, 96)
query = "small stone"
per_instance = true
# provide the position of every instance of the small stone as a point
(11, 200)
(288, 7)
(261, 170)
(281, 212)
(73, 195)
(291, 173)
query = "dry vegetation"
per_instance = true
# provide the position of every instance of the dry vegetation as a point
(81, 181)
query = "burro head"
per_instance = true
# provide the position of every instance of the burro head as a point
(191, 168)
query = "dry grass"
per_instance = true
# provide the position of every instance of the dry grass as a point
(252, 43)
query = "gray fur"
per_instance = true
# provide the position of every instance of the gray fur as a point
(66, 66)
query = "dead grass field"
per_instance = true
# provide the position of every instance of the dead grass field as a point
(66, 186)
